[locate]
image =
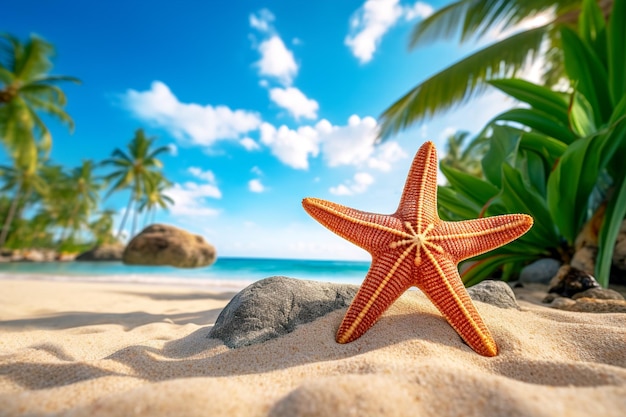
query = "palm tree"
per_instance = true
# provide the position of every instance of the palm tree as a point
(468, 78)
(463, 156)
(133, 170)
(26, 89)
(155, 197)
(102, 227)
(23, 181)
(80, 195)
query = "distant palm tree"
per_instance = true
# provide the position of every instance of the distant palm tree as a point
(80, 195)
(155, 197)
(473, 19)
(23, 181)
(26, 89)
(133, 170)
(464, 156)
(102, 227)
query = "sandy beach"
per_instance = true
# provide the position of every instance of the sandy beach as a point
(76, 348)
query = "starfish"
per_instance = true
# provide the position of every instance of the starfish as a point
(414, 247)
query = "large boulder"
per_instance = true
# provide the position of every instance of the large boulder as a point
(104, 252)
(160, 244)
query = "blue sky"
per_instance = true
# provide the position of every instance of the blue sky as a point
(262, 104)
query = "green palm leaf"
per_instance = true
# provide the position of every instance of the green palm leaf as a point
(477, 17)
(461, 81)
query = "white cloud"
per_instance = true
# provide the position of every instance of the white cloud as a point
(352, 144)
(372, 20)
(173, 149)
(419, 9)
(190, 199)
(276, 60)
(256, 186)
(295, 102)
(263, 21)
(256, 170)
(291, 147)
(207, 176)
(359, 184)
(202, 125)
(385, 155)
(249, 143)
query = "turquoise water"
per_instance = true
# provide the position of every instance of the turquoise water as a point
(226, 273)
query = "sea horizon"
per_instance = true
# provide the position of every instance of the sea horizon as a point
(226, 274)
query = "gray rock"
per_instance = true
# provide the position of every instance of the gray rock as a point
(497, 293)
(275, 306)
(593, 305)
(160, 244)
(599, 294)
(540, 271)
(562, 303)
(104, 252)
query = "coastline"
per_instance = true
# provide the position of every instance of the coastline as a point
(227, 274)
(87, 348)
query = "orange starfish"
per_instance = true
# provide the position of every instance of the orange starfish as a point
(414, 247)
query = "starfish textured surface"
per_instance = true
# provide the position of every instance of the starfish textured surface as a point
(414, 247)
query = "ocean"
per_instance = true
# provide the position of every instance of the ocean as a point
(226, 274)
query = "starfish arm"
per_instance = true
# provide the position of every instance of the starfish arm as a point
(419, 198)
(442, 284)
(470, 238)
(389, 276)
(368, 230)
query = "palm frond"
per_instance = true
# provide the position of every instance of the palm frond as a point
(157, 151)
(463, 80)
(51, 108)
(476, 17)
(121, 157)
(56, 78)
(443, 24)
(44, 92)
(35, 60)
(6, 76)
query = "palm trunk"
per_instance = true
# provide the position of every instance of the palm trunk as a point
(135, 214)
(27, 193)
(10, 216)
(146, 218)
(66, 228)
(119, 233)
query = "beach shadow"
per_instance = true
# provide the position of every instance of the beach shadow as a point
(292, 351)
(37, 376)
(226, 296)
(129, 321)
(54, 350)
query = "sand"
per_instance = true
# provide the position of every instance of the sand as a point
(95, 349)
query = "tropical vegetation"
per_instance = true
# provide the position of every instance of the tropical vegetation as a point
(560, 158)
(479, 20)
(63, 205)
(139, 170)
